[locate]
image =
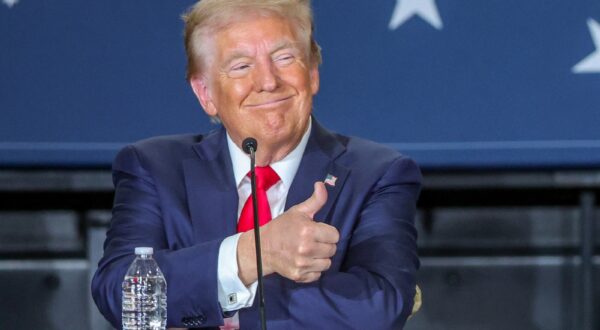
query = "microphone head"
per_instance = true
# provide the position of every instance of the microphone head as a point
(249, 144)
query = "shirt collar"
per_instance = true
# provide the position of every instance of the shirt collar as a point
(286, 168)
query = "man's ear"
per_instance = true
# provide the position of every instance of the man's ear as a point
(200, 88)
(314, 79)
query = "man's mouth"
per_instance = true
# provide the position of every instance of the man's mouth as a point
(269, 103)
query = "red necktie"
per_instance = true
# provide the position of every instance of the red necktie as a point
(265, 179)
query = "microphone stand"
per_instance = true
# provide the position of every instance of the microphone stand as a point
(252, 149)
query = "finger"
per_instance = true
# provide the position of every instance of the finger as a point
(324, 250)
(326, 233)
(315, 202)
(309, 277)
(318, 250)
(319, 265)
(310, 265)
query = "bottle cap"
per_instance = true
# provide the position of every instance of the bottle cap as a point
(143, 250)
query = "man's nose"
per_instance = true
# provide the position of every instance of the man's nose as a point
(265, 77)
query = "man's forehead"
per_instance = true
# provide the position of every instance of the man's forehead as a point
(250, 35)
(253, 30)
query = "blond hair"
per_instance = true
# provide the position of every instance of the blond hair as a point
(207, 17)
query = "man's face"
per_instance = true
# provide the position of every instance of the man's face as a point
(259, 82)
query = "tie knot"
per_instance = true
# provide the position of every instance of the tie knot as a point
(265, 177)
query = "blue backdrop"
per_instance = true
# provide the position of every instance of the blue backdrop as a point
(453, 83)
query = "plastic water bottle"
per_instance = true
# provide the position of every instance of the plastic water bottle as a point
(144, 294)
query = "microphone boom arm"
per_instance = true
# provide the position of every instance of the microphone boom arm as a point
(249, 145)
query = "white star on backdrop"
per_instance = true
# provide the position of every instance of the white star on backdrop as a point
(405, 9)
(591, 64)
(10, 3)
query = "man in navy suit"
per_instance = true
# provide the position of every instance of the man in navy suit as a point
(340, 250)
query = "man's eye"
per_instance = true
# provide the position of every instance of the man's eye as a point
(284, 59)
(240, 67)
(239, 70)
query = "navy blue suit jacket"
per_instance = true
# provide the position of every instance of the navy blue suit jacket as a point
(177, 194)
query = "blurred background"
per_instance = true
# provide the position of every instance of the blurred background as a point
(497, 101)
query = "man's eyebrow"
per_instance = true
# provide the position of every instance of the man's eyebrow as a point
(285, 44)
(234, 56)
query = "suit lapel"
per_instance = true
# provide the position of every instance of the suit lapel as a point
(211, 190)
(212, 193)
(317, 162)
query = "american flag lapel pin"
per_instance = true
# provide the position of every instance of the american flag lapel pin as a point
(330, 180)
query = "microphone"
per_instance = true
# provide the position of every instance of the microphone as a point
(249, 145)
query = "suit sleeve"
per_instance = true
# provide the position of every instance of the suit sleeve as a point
(191, 273)
(375, 285)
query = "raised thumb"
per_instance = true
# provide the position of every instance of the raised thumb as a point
(316, 201)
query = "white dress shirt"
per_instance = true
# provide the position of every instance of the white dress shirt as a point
(232, 293)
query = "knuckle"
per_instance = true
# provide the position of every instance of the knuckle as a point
(300, 263)
(304, 249)
(301, 249)
(296, 276)
(307, 231)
